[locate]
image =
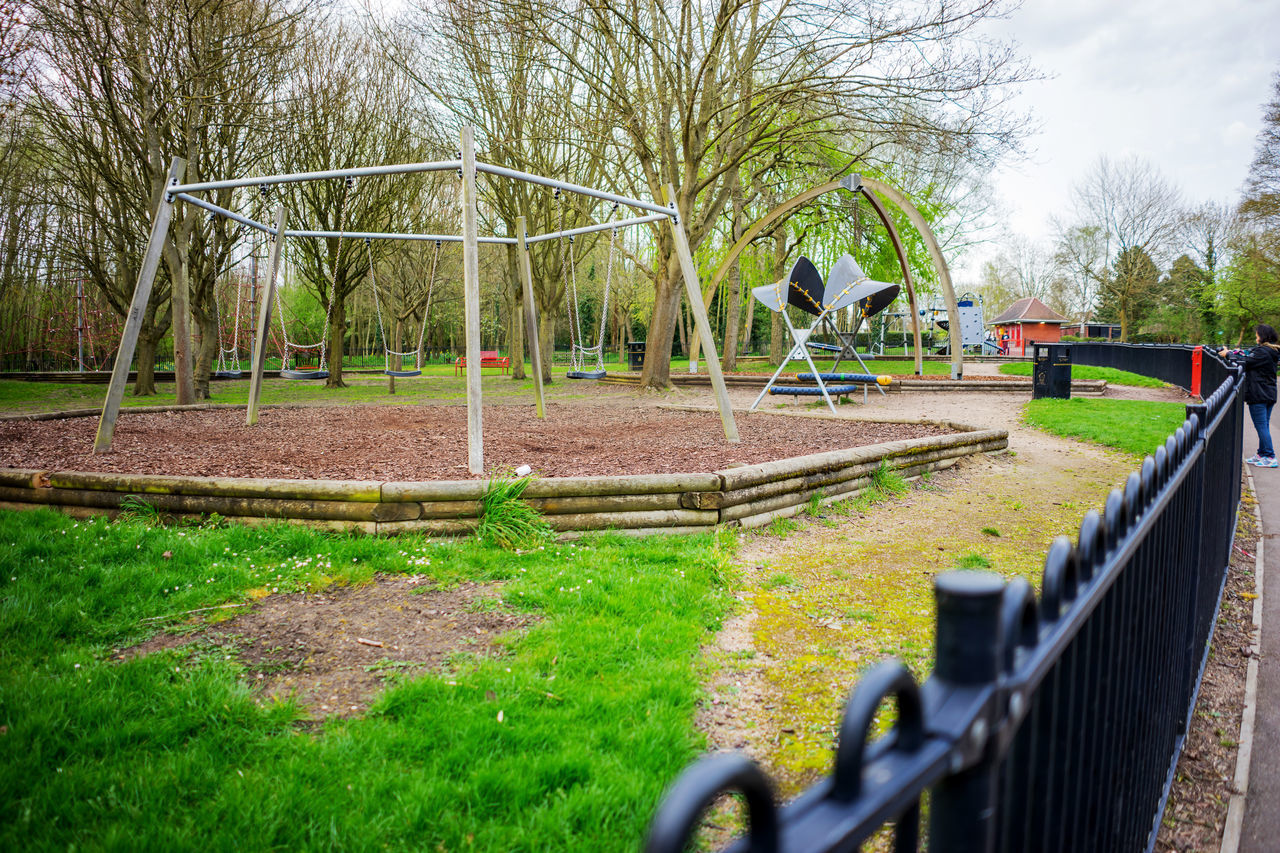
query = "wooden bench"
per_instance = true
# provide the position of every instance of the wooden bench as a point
(488, 358)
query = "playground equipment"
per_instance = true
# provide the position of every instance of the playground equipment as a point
(846, 286)
(387, 351)
(227, 365)
(972, 326)
(579, 352)
(868, 188)
(321, 370)
(468, 169)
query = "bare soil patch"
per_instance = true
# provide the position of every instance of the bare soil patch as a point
(1196, 814)
(429, 442)
(334, 650)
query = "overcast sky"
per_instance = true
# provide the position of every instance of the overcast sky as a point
(1180, 83)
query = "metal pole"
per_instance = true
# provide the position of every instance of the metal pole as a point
(574, 188)
(390, 235)
(264, 318)
(222, 211)
(530, 315)
(471, 292)
(133, 321)
(298, 177)
(693, 292)
(604, 226)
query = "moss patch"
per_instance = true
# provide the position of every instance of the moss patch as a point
(862, 586)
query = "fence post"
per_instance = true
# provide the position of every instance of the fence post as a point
(969, 648)
(1197, 413)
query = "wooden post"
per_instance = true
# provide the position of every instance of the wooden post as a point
(133, 322)
(471, 299)
(267, 294)
(180, 299)
(693, 292)
(530, 314)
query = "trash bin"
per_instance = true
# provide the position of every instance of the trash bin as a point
(635, 355)
(1051, 373)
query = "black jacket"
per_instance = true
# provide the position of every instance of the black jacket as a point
(1260, 374)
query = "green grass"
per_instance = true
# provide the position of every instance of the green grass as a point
(1086, 371)
(1134, 426)
(508, 522)
(173, 752)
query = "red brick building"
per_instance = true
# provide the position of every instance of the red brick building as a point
(1025, 322)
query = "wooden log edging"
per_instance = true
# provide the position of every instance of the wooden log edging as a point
(1086, 387)
(745, 496)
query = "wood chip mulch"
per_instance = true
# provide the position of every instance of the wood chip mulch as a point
(429, 442)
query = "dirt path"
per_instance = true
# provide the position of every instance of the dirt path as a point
(825, 602)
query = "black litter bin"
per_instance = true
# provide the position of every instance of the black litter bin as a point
(1051, 374)
(635, 355)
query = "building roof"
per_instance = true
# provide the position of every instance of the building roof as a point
(1028, 310)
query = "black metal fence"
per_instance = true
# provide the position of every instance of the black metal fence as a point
(1046, 725)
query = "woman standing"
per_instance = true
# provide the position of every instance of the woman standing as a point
(1260, 391)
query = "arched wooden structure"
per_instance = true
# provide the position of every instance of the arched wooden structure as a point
(868, 187)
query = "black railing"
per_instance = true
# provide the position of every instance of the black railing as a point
(1046, 725)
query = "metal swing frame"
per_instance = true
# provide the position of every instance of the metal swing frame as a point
(468, 168)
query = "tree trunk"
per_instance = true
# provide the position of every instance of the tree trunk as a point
(337, 332)
(397, 338)
(175, 257)
(684, 329)
(745, 344)
(148, 341)
(207, 353)
(546, 343)
(662, 327)
(733, 306)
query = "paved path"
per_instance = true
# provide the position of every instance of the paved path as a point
(1261, 831)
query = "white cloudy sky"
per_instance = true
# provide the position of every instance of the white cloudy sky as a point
(1180, 83)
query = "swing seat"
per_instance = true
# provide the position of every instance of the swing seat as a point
(402, 373)
(304, 374)
(227, 374)
(846, 377)
(585, 374)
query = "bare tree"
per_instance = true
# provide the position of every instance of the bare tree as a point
(347, 106)
(672, 75)
(1122, 210)
(488, 63)
(125, 86)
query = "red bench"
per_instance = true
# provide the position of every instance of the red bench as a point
(488, 358)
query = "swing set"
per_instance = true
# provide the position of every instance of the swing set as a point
(468, 169)
(579, 352)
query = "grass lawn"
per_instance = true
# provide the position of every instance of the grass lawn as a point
(1086, 371)
(1134, 426)
(173, 750)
